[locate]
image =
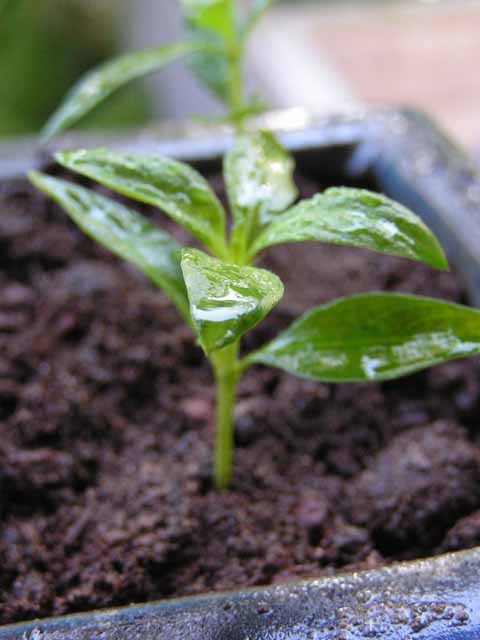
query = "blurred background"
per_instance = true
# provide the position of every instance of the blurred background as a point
(326, 55)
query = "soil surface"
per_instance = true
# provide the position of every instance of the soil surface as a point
(106, 431)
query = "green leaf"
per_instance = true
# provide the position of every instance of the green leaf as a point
(226, 300)
(99, 83)
(213, 71)
(259, 177)
(177, 189)
(124, 232)
(373, 337)
(358, 218)
(214, 16)
(210, 22)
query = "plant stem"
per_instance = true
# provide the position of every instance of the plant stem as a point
(225, 362)
(236, 99)
(226, 375)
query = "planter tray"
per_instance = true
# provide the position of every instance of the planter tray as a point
(408, 158)
(435, 599)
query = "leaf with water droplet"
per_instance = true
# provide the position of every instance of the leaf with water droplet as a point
(373, 337)
(124, 232)
(172, 186)
(98, 84)
(358, 218)
(259, 177)
(226, 300)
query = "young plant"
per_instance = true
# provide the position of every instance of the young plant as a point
(217, 33)
(221, 295)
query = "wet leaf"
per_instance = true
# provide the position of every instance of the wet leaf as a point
(226, 300)
(102, 81)
(124, 232)
(259, 177)
(358, 218)
(172, 186)
(373, 337)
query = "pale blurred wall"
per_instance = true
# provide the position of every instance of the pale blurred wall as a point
(345, 54)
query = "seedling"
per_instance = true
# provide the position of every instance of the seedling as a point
(217, 33)
(220, 294)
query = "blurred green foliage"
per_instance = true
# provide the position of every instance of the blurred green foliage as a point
(45, 45)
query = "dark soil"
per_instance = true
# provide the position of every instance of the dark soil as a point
(105, 436)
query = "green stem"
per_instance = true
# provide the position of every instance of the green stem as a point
(235, 100)
(226, 375)
(236, 97)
